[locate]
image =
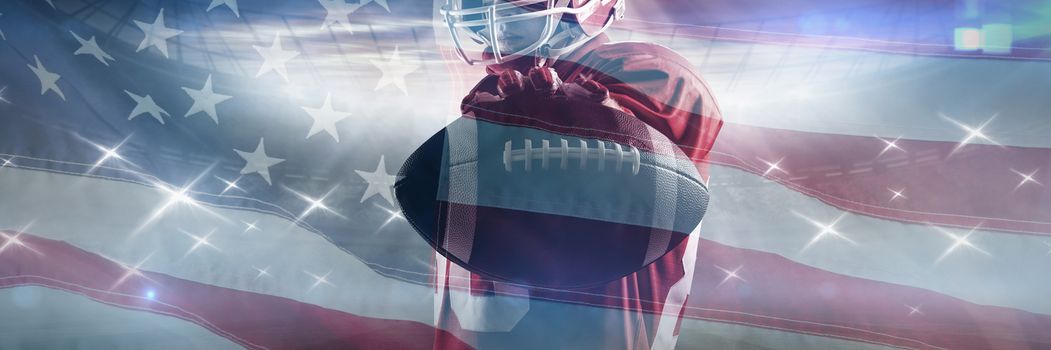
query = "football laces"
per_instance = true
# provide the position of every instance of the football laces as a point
(582, 155)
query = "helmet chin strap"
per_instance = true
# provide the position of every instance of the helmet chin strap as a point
(572, 36)
(575, 37)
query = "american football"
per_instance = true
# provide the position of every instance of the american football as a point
(570, 203)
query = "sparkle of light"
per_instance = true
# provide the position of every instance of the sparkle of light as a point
(200, 241)
(914, 310)
(15, 241)
(890, 144)
(1026, 178)
(150, 294)
(973, 132)
(731, 274)
(826, 230)
(131, 271)
(261, 271)
(897, 194)
(393, 215)
(314, 203)
(230, 185)
(771, 166)
(108, 153)
(177, 196)
(319, 280)
(250, 226)
(10, 240)
(957, 242)
(3, 97)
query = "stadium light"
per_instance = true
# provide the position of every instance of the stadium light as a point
(967, 39)
(997, 38)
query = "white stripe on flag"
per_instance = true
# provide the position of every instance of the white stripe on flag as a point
(752, 213)
(53, 319)
(101, 216)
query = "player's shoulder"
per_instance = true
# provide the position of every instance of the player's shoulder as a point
(629, 53)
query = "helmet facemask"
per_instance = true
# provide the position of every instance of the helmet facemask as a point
(497, 31)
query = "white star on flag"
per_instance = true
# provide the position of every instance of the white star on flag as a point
(146, 105)
(275, 57)
(394, 71)
(258, 162)
(338, 12)
(156, 34)
(47, 79)
(325, 118)
(204, 100)
(232, 4)
(90, 47)
(380, 182)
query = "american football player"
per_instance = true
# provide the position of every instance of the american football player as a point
(538, 49)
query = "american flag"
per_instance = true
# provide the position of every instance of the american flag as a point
(216, 173)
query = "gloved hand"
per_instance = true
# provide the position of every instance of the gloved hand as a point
(543, 83)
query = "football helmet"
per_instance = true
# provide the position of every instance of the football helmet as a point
(482, 30)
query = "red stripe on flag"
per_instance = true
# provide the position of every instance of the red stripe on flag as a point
(943, 183)
(779, 293)
(776, 293)
(254, 320)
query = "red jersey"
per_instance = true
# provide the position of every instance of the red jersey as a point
(640, 311)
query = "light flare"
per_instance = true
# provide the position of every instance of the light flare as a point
(315, 203)
(177, 196)
(890, 145)
(958, 241)
(730, 274)
(250, 226)
(914, 310)
(261, 272)
(230, 185)
(319, 280)
(200, 241)
(14, 240)
(897, 194)
(771, 166)
(131, 271)
(394, 215)
(972, 132)
(826, 230)
(1026, 178)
